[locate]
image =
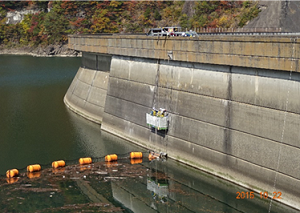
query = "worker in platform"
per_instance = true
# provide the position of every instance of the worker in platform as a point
(153, 112)
(161, 112)
(164, 113)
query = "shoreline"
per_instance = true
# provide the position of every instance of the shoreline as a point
(47, 51)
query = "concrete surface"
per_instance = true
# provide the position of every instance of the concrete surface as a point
(237, 118)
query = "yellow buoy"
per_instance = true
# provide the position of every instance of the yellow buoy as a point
(34, 168)
(136, 160)
(112, 157)
(59, 163)
(136, 155)
(12, 173)
(83, 161)
(33, 174)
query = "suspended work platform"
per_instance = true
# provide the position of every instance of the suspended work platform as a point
(159, 123)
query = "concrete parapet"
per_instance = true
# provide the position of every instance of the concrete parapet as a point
(279, 53)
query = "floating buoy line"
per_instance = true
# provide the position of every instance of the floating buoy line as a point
(33, 171)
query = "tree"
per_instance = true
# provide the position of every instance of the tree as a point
(55, 27)
(100, 21)
(184, 21)
(157, 15)
(147, 13)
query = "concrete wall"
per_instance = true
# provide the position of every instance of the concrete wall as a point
(224, 120)
(87, 94)
(237, 118)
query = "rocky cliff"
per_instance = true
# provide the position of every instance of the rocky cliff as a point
(278, 14)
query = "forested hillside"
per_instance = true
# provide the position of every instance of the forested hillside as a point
(56, 19)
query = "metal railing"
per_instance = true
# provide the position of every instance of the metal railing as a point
(239, 30)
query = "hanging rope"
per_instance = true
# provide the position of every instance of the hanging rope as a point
(293, 41)
(156, 84)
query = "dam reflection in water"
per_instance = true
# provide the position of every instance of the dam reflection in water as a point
(172, 187)
(157, 185)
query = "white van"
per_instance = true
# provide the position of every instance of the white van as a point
(163, 31)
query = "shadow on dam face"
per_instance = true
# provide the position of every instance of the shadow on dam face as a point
(228, 116)
(161, 133)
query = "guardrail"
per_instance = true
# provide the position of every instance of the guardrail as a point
(239, 30)
(201, 34)
(249, 34)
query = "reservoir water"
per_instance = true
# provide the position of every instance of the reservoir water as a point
(36, 127)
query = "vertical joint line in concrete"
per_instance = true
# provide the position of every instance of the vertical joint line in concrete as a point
(227, 133)
(293, 42)
(90, 87)
(156, 84)
(97, 68)
(77, 80)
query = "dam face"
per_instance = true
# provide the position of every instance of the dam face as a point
(87, 92)
(240, 123)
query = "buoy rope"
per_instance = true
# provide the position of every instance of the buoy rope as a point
(75, 161)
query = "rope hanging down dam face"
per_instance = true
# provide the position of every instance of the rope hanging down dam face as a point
(293, 42)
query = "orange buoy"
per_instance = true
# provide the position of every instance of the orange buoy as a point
(153, 156)
(12, 173)
(59, 163)
(12, 180)
(33, 174)
(136, 155)
(83, 161)
(34, 168)
(136, 160)
(112, 157)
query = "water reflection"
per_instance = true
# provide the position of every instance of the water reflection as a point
(170, 187)
(97, 143)
(120, 186)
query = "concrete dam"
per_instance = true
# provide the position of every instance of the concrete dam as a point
(233, 102)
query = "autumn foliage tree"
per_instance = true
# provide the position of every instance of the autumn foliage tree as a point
(56, 19)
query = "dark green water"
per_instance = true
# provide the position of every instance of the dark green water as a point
(36, 127)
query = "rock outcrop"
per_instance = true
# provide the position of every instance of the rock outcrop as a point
(278, 14)
(14, 17)
(51, 50)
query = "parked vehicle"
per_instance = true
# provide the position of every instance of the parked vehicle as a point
(171, 31)
(190, 34)
(163, 31)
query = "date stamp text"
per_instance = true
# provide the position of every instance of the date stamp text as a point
(262, 195)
